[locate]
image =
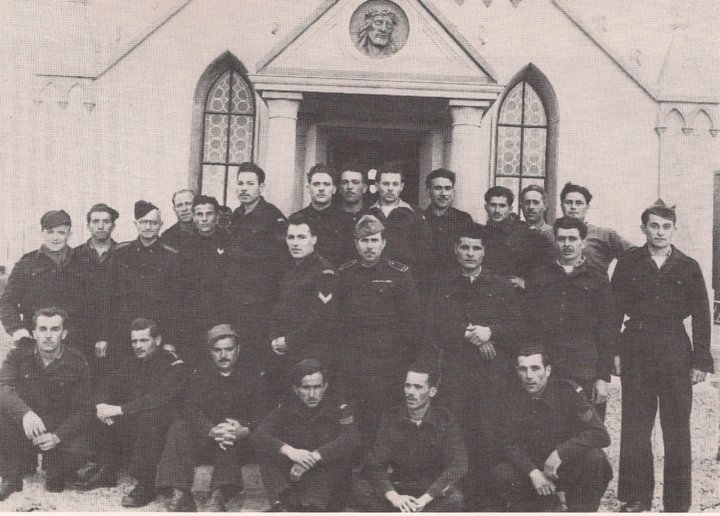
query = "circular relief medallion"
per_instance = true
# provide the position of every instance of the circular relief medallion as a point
(379, 28)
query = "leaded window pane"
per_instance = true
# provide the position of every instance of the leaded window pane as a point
(511, 111)
(533, 163)
(508, 151)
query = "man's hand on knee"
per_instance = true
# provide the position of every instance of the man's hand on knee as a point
(542, 484)
(33, 425)
(404, 503)
(46, 442)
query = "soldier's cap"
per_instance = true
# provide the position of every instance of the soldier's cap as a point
(142, 208)
(54, 218)
(661, 204)
(368, 225)
(218, 332)
(104, 208)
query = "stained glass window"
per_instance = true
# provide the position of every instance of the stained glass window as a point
(228, 132)
(521, 140)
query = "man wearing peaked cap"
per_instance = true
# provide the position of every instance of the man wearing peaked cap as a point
(48, 276)
(657, 286)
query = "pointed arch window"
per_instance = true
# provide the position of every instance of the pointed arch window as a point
(228, 133)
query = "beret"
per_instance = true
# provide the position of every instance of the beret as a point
(102, 207)
(55, 218)
(142, 208)
(220, 331)
(368, 225)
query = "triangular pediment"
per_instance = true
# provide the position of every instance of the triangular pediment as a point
(424, 56)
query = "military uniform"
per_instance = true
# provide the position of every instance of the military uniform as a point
(143, 281)
(657, 357)
(512, 249)
(378, 329)
(603, 246)
(427, 458)
(445, 229)
(149, 393)
(59, 394)
(562, 420)
(572, 316)
(178, 235)
(304, 313)
(211, 399)
(331, 430)
(332, 244)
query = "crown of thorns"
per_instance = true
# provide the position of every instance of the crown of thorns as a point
(377, 11)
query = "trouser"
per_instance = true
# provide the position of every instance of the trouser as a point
(323, 487)
(16, 450)
(368, 500)
(142, 435)
(184, 450)
(584, 481)
(600, 408)
(644, 388)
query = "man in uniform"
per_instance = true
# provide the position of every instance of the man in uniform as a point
(511, 248)
(533, 203)
(352, 186)
(657, 287)
(570, 310)
(135, 405)
(306, 446)
(603, 244)
(325, 215)
(177, 234)
(418, 457)
(220, 411)
(257, 257)
(553, 441)
(204, 262)
(378, 324)
(143, 281)
(304, 311)
(48, 276)
(444, 220)
(44, 406)
(471, 326)
(94, 257)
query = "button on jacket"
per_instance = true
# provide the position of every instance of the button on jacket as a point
(94, 277)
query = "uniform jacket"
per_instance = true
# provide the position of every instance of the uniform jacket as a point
(260, 233)
(212, 397)
(445, 230)
(431, 455)
(94, 278)
(58, 393)
(560, 419)
(332, 243)
(574, 317)
(304, 311)
(177, 235)
(329, 428)
(37, 282)
(657, 302)
(603, 246)
(152, 385)
(513, 249)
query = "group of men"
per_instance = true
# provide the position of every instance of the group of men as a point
(464, 367)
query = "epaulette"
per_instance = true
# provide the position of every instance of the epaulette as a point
(398, 266)
(574, 385)
(168, 248)
(347, 265)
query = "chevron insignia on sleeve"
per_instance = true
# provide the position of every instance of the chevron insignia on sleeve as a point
(325, 298)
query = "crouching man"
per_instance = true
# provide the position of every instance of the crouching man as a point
(221, 409)
(43, 406)
(422, 445)
(306, 444)
(553, 441)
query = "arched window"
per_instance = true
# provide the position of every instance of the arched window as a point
(526, 151)
(228, 130)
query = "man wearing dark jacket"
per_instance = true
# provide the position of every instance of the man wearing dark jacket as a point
(306, 445)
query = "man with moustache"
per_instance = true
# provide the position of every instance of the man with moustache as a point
(177, 234)
(301, 319)
(418, 457)
(378, 319)
(570, 310)
(444, 220)
(352, 186)
(143, 281)
(657, 287)
(48, 276)
(325, 215)
(94, 259)
(135, 405)
(533, 202)
(44, 406)
(553, 441)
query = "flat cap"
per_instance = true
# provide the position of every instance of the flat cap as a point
(368, 225)
(218, 332)
(54, 218)
(103, 208)
(142, 208)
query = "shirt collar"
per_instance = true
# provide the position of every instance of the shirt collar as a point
(57, 358)
(575, 267)
(401, 204)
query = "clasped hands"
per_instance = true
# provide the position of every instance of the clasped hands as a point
(479, 336)
(407, 503)
(226, 433)
(34, 429)
(304, 460)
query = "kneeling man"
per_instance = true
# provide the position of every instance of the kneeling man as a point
(553, 441)
(306, 445)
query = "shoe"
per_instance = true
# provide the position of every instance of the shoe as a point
(181, 501)
(140, 496)
(8, 487)
(55, 485)
(636, 507)
(216, 503)
(101, 476)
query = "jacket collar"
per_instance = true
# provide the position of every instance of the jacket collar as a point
(401, 204)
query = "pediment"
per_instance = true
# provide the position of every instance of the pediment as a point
(424, 55)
